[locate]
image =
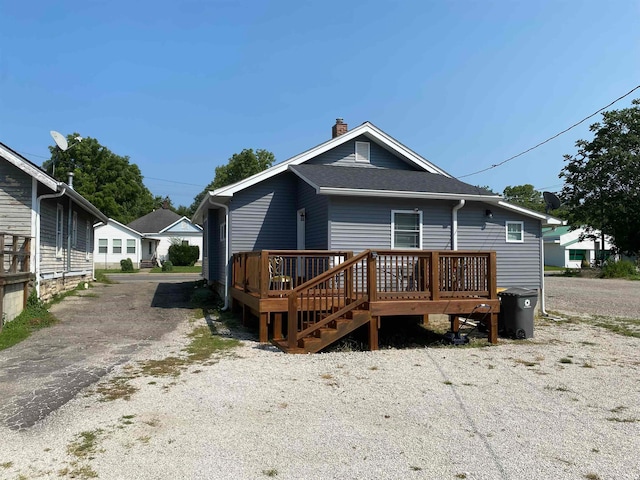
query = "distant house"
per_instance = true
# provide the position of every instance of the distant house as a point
(364, 190)
(146, 240)
(563, 247)
(53, 219)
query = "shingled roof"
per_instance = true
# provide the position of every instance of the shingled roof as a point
(380, 179)
(155, 221)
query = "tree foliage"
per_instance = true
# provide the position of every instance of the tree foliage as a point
(240, 166)
(602, 180)
(526, 196)
(107, 180)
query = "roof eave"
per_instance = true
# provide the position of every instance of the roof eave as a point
(401, 194)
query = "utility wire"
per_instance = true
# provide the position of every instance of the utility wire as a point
(551, 138)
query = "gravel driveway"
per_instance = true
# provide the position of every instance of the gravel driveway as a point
(563, 405)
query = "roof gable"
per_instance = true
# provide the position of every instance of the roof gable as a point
(26, 166)
(182, 225)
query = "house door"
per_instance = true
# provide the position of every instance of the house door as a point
(301, 229)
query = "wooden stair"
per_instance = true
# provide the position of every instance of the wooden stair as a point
(147, 264)
(325, 336)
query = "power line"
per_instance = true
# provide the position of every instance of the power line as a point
(173, 181)
(555, 136)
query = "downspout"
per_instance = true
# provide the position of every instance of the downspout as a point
(454, 224)
(226, 252)
(38, 204)
(543, 310)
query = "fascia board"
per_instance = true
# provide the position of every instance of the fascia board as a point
(399, 194)
(29, 169)
(546, 219)
(199, 214)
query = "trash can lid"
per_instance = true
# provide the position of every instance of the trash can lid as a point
(518, 292)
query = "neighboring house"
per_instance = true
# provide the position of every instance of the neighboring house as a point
(563, 247)
(115, 242)
(57, 220)
(162, 227)
(360, 190)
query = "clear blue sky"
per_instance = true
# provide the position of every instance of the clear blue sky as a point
(179, 86)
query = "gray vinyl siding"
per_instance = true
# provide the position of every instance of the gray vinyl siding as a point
(345, 155)
(15, 200)
(316, 216)
(518, 264)
(359, 223)
(264, 216)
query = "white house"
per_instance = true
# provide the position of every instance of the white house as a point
(563, 248)
(115, 242)
(146, 240)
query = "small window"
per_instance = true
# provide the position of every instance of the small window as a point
(131, 246)
(223, 231)
(59, 230)
(578, 255)
(515, 232)
(103, 245)
(87, 241)
(362, 152)
(406, 229)
(150, 248)
(117, 245)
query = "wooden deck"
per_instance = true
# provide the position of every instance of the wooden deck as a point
(15, 256)
(324, 295)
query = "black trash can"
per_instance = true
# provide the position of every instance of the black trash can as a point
(517, 308)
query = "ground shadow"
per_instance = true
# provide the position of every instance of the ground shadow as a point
(173, 295)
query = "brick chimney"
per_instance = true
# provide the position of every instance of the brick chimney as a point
(340, 128)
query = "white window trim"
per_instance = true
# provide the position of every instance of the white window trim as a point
(393, 226)
(59, 230)
(368, 148)
(506, 231)
(106, 245)
(114, 246)
(127, 246)
(223, 231)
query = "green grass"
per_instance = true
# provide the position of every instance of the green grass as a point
(553, 268)
(176, 269)
(101, 276)
(32, 318)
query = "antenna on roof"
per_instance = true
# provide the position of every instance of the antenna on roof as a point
(551, 201)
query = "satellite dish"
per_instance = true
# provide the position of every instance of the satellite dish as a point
(60, 140)
(551, 201)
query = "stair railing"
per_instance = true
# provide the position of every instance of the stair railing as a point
(327, 297)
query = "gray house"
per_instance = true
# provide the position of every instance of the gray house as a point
(364, 190)
(51, 218)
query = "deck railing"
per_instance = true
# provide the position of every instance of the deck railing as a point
(15, 253)
(270, 273)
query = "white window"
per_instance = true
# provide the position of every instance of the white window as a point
(59, 230)
(362, 152)
(223, 231)
(117, 245)
(74, 230)
(131, 245)
(515, 232)
(406, 229)
(103, 245)
(87, 240)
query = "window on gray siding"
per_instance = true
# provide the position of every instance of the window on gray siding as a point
(131, 246)
(406, 229)
(74, 230)
(117, 245)
(103, 245)
(363, 151)
(223, 231)
(515, 232)
(59, 230)
(87, 241)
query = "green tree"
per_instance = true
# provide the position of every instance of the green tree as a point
(602, 180)
(107, 180)
(526, 196)
(240, 166)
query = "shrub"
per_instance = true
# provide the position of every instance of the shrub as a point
(183, 255)
(167, 266)
(126, 265)
(619, 269)
(584, 263)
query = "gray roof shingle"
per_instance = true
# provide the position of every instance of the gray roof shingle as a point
(155, 221)
(359, 178)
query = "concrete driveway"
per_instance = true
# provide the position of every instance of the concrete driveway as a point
(99, 328)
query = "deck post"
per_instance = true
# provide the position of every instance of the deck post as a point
(434, 275)
(493, 276)
(372, 288)
(292, 321)
(26, 265)
(265, 283)
(373, 333)
(264, 327)
(493, 328)
(277, 326)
